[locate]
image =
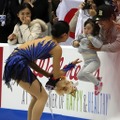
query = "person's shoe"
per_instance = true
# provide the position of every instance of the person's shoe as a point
(98, 88)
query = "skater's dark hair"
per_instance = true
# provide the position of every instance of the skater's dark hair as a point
(60, 28)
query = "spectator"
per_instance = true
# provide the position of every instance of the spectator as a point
(86, 10)
(54, 5)
(110, 31)
(26, 29)
(8, 8)
(116, 3)
(40, 9)
(45, 11)
(90, 57)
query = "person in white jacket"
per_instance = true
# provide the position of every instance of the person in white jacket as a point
(90, 57)
(27, 29)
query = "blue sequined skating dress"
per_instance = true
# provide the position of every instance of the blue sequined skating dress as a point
(17, 67)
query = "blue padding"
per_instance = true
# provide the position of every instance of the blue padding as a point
(8, 114)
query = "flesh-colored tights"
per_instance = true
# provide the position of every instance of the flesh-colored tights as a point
(38, 101)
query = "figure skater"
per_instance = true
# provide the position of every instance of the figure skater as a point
(91, 59)
(22, 59)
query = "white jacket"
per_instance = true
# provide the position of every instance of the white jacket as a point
(36, 29)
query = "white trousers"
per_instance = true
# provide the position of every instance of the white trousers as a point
(86, 73)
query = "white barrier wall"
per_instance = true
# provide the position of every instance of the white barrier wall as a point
(85, 105)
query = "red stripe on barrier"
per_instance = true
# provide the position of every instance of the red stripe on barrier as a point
(1, 63)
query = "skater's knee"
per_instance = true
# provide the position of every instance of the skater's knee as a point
(43, 95)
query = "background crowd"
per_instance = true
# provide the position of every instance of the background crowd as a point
(43, 16)
(41, 9)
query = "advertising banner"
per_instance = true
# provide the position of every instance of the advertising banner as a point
(85, 104)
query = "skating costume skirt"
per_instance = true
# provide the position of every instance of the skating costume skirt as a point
(17, 64)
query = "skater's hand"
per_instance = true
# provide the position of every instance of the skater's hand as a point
(50, 85)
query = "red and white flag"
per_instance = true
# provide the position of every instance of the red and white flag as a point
(67, 9)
